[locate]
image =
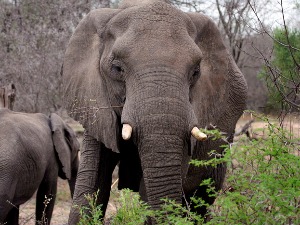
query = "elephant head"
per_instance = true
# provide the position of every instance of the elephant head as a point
(158, 73)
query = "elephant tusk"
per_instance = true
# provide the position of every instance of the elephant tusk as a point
(126, 131)
(200, 136)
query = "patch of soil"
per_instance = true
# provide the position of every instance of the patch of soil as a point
(62, 206)
(258, 128)
(61, 209)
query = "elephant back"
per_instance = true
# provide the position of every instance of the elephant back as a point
(26, 151)
(23, 134)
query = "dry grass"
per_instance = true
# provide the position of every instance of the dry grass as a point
(61, 209)
(62, 206)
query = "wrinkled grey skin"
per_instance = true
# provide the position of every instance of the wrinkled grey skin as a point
(162, 71)
(34, 151)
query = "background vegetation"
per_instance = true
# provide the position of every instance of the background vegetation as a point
(282, 72)
(262, 185)
(34, 35)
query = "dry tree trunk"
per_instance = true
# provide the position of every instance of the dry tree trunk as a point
(7, 96)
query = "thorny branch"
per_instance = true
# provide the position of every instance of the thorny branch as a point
(275, 74)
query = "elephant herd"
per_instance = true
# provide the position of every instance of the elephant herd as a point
(141, 79)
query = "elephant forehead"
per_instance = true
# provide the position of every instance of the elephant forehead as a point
(154, 33)
(153, 18)
(157, 30)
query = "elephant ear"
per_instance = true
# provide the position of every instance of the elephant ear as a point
(85, 91)
(219, 95)
(65, 143)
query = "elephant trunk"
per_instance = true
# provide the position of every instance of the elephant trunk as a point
(158, 108)
(161, 159)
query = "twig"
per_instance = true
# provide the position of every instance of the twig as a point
(245, 128)
(116, 181)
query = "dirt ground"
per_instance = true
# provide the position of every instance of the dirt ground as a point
(61, 209)
(63, 201)
(291, 123)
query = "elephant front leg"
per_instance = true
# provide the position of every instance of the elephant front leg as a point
(95, 173)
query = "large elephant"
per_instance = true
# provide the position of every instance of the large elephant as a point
(140, 78)
(34, 151)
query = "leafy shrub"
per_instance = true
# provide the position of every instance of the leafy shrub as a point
(92, 214)
(262, 187)
(132, 210)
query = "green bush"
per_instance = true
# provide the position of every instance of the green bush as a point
(282, 73)
(131, 210)
(262, 187)
(92, 214)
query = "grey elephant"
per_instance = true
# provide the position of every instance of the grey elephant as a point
(34, 150)
(142, 79)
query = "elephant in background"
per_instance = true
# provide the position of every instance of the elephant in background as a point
(141, 79)
(34, 150)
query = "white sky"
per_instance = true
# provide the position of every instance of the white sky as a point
(270, 13)
(289, 10)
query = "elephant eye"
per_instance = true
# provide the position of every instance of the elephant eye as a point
(196, 71)
(116, 68)
(194, 75)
